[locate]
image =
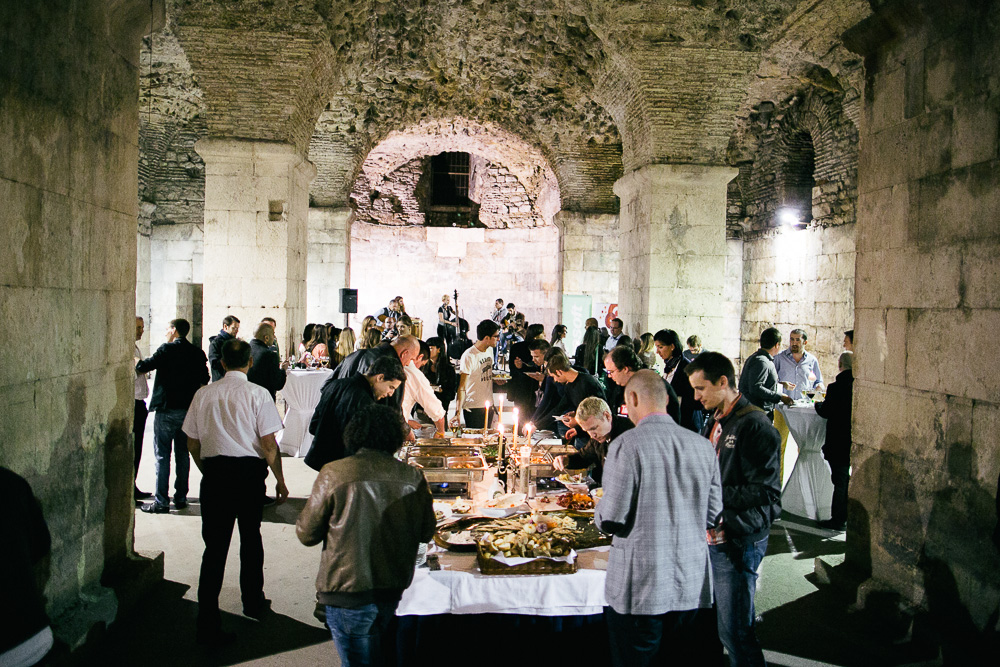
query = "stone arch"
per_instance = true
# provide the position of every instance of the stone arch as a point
(534, 186)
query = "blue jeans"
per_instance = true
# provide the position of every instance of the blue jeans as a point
(357, 632)
(734, 572)
(167, 433)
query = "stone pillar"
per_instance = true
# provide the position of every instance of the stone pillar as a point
(927, 307)
(329, 262)
(588, 255)
(256, 222)
(672, 247)
(143, 269)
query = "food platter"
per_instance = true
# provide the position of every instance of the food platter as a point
(459, 535)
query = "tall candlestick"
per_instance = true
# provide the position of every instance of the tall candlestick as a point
(529, 429)
(486, 417)
(514, 443)
(500, 409)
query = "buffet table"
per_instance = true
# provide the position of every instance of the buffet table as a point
(809, 490)
(301, 393)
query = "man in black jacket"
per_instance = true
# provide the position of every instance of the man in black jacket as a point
(759, 379)
(621, 363)
(230, 327)
(576, 387)
(836, 409)
(342, 399)
(747, 445)
(181, 369)
(266, 366)
(594, 417)
(403, 348)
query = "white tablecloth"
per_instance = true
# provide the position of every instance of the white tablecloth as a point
(809, 491)
(459, 588)
(301, 394)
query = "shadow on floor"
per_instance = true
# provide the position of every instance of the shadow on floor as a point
(163, 633)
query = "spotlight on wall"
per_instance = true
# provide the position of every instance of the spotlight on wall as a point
(789, 217)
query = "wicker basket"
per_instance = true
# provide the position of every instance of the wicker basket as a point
(537, 566)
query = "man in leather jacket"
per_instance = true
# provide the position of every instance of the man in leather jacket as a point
(747, 445)
(371, 512)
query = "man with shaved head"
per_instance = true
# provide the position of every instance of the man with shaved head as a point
(661, 492)
(403, 348)
(265, 368)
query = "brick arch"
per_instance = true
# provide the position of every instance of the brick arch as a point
(509, 153)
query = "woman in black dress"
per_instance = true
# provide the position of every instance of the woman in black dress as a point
(440, 373)
(668, 347)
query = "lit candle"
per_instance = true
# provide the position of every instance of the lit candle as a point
(514, 443)
(500, 409)
(529, 429)
(486, 417)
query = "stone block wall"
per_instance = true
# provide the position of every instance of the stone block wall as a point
(176, 263)
(68, 180)
(800, 278)
(927, 404)
(423, 263)
(329, 261)
(732, 303)
(588, 255)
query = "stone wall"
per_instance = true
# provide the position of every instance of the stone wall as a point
(68, 180)
(176, 261)
(328, 267)
(422, 263)
(732, 306)
(927, 404)
(800, 278)
(588, 255)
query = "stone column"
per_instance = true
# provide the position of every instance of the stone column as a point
(256, 225)
(329, 262)
(672, 249)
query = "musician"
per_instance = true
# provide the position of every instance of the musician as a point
(447, 321)
(392, 311)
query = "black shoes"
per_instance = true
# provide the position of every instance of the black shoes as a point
(155, 508)
(180, 503)
(830, 524)
(257, 610)
(268, 501)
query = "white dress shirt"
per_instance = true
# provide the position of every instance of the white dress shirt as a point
(141, 382)
(418, 390)
(230, 416)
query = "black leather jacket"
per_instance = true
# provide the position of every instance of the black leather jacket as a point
(181, 370)
(371, 512)
(748, 449)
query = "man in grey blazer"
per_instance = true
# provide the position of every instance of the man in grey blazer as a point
(661, 492)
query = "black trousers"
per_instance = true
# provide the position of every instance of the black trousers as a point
(232, 490)
(840, 475)
(674, 638)
(476, 417)
(138, 428)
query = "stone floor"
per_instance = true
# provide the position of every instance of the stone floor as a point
(805, 623)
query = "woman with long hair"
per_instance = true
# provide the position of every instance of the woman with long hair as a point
(307, 333)
(647, 350)
(587, 351)
(439, 371)
(345, 346)
(366, 324)
(317, 345)
(559, 332)
(371, 339)
(668, 347)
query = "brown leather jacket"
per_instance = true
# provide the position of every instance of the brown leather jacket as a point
(371, 512)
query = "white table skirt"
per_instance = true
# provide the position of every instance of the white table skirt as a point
(809, 491)
(301, 393)
(459, 588)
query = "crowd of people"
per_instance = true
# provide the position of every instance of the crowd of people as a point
(687, 454)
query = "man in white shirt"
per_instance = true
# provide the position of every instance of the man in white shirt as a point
(475, 381)
(798, 370)
(230, 427)
(418, 390)
(140, 414)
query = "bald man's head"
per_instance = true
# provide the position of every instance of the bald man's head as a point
(264, 333)
(407, 348)
(645, 394)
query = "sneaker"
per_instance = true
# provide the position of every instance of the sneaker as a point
(155, 508)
